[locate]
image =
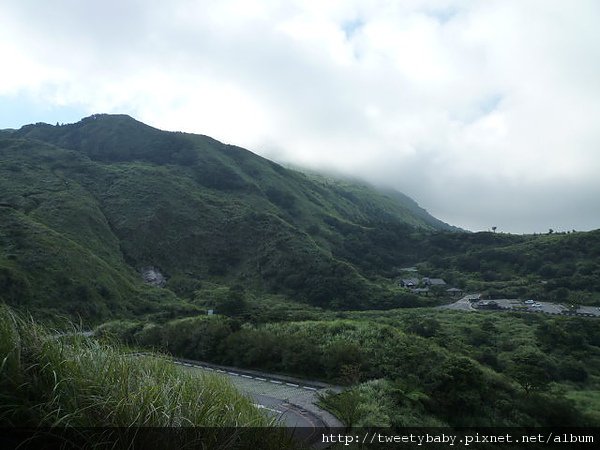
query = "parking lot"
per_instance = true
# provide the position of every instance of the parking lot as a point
(589, 311)
(527, 306)
(545, 307)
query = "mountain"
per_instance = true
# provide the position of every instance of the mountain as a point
(86, 207)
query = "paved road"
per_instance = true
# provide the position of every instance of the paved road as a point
(520, 305)
(589, 310)
(464, 304)
(505, 304)
(292, 403)
(276, 397)
(284, 412)
(548, 308)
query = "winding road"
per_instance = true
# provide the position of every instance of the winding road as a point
(291, 401)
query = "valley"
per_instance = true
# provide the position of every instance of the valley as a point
(180, 245)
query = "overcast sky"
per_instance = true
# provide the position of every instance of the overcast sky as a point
(485, 112)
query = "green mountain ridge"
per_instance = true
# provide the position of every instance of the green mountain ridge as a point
(85, 206)
(303, 273)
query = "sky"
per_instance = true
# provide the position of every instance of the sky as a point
(486, 112)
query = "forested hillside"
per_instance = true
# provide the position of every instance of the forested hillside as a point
(86, 206)
(144, 231)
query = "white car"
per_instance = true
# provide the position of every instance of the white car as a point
(529, 302)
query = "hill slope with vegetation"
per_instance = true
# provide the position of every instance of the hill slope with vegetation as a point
(556, 267)
(418, 367)
(86, 206)
(282, 257)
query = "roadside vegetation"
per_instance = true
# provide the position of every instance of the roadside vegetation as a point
(72, 381)
(410, 367)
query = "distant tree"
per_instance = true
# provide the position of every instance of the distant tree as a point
(234, 304)
(494, 229)
(426, 327)
(531, 368)
(339, 354)
(459, 387)
(550, 231)
(561, 294)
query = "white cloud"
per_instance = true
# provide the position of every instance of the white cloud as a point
(472, 107)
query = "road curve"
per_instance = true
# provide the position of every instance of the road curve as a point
(464, 304)
(290, 401)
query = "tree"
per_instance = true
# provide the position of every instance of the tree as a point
(494, 229)
(234, 304)
(531, 368)
(339, 354)
(561, 294)
(459, 387)
(425, 327)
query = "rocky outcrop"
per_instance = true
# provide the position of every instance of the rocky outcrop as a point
(152, 276)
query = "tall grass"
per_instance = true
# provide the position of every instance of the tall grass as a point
(74, 381)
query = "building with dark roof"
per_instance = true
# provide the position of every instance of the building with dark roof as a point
(409, 282)
(434, 282)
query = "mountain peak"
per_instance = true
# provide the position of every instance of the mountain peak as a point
(111, 118)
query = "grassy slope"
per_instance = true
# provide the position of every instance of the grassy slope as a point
(418, 367)
(114, 195)
(229, 169)
(554, 267)
(97, 200)
(79, 382)
(59, 253)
